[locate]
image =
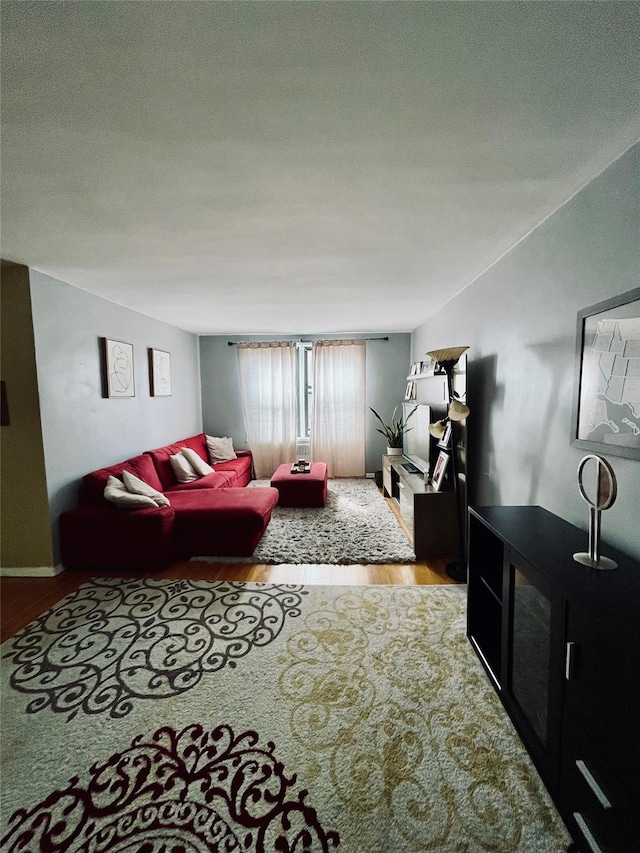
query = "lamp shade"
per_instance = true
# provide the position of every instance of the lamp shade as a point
(445, 355)
(437, 429)
(458, 411)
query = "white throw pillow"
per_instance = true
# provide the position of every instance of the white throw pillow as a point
(197, 462)
(220, 449)
(182, 468)
(117, 493)
(138, 487)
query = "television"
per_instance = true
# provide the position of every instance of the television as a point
(416, 442)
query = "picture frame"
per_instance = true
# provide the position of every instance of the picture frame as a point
(428, 367)
(159, 372)
(410, 391)
(118, 378)
(439, 470)
(446, 435)
(606, 402)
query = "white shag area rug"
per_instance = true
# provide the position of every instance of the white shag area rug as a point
(355, 526)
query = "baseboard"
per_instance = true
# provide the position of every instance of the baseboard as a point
(31, 571)
(370, 476)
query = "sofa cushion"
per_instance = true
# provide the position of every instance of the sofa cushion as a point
(217, 480)
(221, 521)
(93, 484)
(138, 487)
(160, 458)
(117, 493)
(197, 462)
(237, 470)
(183, 469)
(220, 449)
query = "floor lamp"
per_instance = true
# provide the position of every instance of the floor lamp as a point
(457, 411)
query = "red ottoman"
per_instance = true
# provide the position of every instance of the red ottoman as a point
(220, 522)
(301, 489)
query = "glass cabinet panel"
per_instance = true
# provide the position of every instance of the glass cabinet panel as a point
(531, 632)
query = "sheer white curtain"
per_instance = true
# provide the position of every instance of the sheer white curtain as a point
(338, 421)
(268, 385)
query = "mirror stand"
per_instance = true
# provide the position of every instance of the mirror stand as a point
(605, 496)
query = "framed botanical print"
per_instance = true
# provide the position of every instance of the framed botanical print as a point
(606, 409)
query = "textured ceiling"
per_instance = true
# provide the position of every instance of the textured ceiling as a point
(234, 167)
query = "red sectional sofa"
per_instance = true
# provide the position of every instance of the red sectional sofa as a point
(213, 515)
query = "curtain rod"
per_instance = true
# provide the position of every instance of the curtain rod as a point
(298, 340)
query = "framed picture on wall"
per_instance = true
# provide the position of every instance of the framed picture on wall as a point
(117, 368)
(606, 405)
(159, 372)
(439, 470)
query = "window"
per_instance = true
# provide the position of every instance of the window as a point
(305, 388)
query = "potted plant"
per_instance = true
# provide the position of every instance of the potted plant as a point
(394, 431)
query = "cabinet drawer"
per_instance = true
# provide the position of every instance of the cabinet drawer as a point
(597, 798)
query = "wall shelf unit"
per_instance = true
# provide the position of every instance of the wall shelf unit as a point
(561, 644)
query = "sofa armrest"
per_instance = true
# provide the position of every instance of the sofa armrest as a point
(112, 538)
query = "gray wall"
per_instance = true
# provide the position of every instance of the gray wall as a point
(519, 319)
(81, 430)
(387, 366)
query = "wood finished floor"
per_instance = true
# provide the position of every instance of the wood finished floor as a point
(24, 599)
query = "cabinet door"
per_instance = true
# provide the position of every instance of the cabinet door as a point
(406, 505)
(530, 649)
(386, 475)
(602, 670)
(485, 581)
(534, 665)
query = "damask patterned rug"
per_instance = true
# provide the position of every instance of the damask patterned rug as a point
(187, 717)
(355, 526)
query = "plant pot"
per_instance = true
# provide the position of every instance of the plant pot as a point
(394, 451)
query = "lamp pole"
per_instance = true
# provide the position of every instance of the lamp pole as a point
(447, 359)
(456, 570)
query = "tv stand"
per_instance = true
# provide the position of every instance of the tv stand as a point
(429, 516)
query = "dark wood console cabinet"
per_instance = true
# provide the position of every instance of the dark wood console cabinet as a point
(561, 644)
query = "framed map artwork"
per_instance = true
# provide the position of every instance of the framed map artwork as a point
(606, 411)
